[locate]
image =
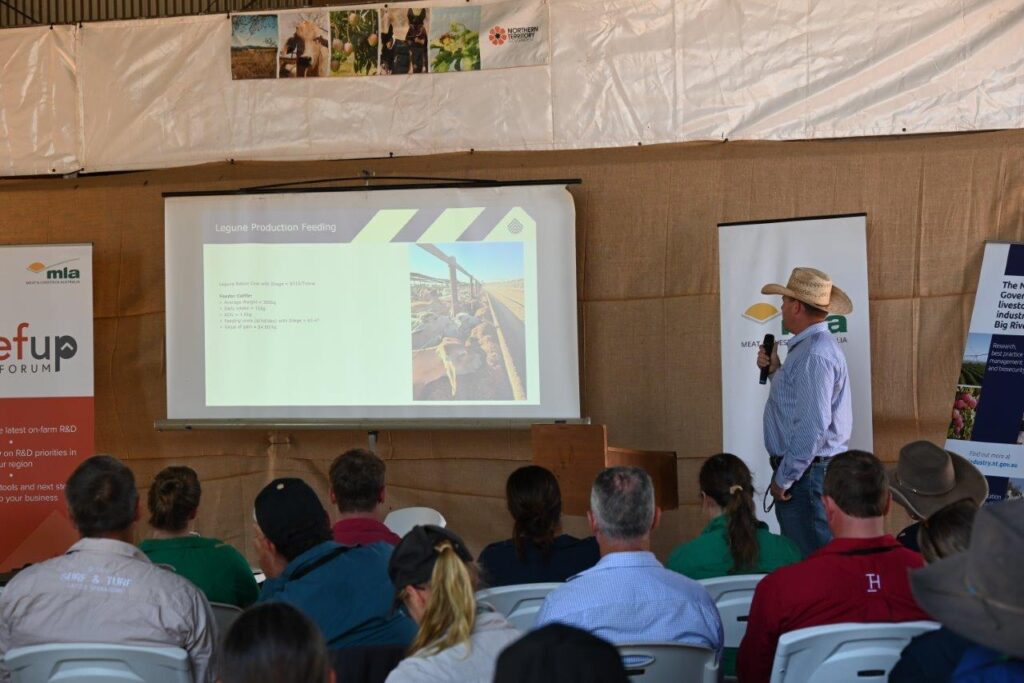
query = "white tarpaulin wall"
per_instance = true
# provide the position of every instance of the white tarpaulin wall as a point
(159, 93)
(38, 103)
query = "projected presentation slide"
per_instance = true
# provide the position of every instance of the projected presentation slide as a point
(391, 303)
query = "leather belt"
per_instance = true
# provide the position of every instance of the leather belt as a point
(776, 460)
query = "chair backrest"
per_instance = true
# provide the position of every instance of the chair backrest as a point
(843, 652)
(225, 615)
(403, 520)
(97, 663)
(732, 596)
(519, 603)
(669, 663)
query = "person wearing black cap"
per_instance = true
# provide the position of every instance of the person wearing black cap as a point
(345, 590)
(457, 640)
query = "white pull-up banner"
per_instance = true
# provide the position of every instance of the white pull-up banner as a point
(752, 255)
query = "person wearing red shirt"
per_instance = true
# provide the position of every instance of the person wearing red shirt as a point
(357, 488)
(860, 576)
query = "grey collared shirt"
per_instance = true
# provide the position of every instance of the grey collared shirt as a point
(106, 591)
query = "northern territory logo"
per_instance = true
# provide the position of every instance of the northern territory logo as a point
(54, 271)
(499, 35)
(761, 313)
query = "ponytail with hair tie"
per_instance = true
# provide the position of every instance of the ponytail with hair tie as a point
(726, 479)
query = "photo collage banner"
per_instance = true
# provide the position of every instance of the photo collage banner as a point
(986, 423)
(385, 40)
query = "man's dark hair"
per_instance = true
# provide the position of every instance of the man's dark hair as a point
(273, 642)
(856, 481)
(357, 478)
(101, 496)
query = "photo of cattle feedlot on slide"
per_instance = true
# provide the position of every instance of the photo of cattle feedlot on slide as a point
(468, 321)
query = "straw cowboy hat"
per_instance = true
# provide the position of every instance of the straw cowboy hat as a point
(927, 478)
(813, 287)
(978, 593)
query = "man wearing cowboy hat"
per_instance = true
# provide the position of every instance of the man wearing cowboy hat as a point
(809, 415)
(927, 478)
(979, 595)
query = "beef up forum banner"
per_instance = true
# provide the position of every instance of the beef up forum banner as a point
(987, 419)
(754, 254)
(46, 394)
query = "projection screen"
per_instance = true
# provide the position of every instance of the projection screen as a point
(338, 305)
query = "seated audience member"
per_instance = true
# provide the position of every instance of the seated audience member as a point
(927, 478)
(345, 590)
(859, 576)
(274, 643)
(629, 596)
(215, 567)
(457, 640)
(104, 589)
(537, 552)
(357, 488)
(560, 654)
(933, 656)
(734, 541)
(979, 594)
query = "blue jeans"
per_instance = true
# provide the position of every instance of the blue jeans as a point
(802, 517)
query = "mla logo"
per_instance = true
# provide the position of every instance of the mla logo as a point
(55, 272)
(761, 313)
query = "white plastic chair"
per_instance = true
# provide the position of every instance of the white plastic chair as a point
(403, 520)
(225, 615)
(843, 652)
(669, 663)
(732, 596)
(519, 603)
(97, 663)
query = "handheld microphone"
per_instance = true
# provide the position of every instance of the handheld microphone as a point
(769, 346)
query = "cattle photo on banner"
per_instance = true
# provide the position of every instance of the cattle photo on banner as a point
(987, 419)
(46, 394)
(754, 254)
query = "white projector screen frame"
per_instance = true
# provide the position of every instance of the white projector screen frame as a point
(306, 256)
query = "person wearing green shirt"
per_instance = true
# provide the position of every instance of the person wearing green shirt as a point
(734, 541)
(213, 566)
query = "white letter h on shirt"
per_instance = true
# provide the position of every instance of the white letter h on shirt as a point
(874, 582)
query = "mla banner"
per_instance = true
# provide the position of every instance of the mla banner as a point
(754, 254)
(987, 421)
(46, 394)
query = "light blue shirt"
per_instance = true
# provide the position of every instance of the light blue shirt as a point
(628, 597)
(809, 412)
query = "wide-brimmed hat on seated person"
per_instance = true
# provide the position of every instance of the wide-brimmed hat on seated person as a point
(978, 593)
(927, 478)
(815, 288)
